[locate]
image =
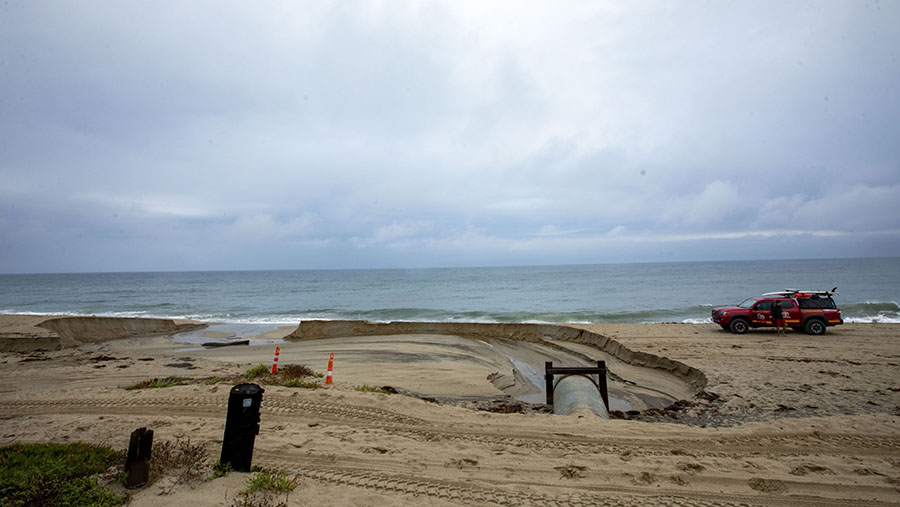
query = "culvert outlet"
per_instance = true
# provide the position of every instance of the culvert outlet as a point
(578, 395)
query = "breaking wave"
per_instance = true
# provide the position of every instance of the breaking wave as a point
(872, 311)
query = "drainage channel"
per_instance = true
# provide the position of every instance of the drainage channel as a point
(528, 361)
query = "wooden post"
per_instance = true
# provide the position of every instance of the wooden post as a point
(137, 464)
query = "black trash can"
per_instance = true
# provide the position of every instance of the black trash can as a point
(241, 426)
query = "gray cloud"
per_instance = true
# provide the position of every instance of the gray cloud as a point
(220, 136)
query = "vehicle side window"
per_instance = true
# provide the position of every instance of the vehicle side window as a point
(816, 303)
(763, 306)
(787, 305)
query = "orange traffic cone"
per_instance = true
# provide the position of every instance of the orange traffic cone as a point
(330, 368)
(275, 361)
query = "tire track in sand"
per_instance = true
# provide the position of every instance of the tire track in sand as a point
(472, 493)
(467, 493)
(422, 430)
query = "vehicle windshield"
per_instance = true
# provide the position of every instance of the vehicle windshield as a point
(747, 303)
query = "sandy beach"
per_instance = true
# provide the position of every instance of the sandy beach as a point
(753, 419)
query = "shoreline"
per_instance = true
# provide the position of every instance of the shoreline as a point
(796, 421)
(719, 367)
(293, 320)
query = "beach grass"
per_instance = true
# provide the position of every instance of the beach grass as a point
(371, 389)
(183, 459)
(288, 375)
(265, 489)
(256, 371)
(57, 474)
(276, 482)
(158, 383)
(221, 469)
(301, 383)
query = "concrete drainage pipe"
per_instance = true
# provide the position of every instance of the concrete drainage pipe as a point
(578, 395)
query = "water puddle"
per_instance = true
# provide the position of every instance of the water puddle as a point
(227, 332)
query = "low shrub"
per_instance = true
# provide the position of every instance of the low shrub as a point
(185, 460)
(263, 490)
(256, 371)
(372, 389)
(221, 469)
(57, 474)
(158, 383)
(287, 374)
(276, 482)
(294, 371)
(301, 383)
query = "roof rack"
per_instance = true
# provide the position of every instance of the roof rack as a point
(802, 293)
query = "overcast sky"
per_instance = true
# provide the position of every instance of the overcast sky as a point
(238, 135)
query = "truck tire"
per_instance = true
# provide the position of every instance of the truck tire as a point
(814, 327)
(739, 326)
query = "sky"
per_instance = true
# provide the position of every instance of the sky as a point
(217, 135)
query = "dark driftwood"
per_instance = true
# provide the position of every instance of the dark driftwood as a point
(226, 344)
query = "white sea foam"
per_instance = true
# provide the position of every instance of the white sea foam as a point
(877, 319)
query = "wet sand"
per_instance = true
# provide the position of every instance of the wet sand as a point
(794, 421)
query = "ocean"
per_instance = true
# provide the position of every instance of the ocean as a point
(869, 290)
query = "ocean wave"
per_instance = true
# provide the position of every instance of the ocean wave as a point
(877, 306)
(884, 312)
(874, 319)
(867, 312)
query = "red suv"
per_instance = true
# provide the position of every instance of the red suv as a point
(803, 310)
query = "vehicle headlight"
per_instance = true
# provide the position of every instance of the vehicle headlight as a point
(723, 313)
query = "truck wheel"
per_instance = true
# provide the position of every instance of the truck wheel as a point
(739, 326)
(814, 327)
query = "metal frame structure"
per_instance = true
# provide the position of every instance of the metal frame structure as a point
(600, 370)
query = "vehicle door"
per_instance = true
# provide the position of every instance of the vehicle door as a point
(790, 312)
(761, 314)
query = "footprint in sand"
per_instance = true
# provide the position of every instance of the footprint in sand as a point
(809, 469)
(679, 480)
(571, 471)
(767, 485)
(462, 463)
(691, 468)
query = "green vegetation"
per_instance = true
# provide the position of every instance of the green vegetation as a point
(263, 490)
(57, 474)
(287, 375)
(256, 371)
(292, 371)
(371, 389)
(221, 469)
(301, 383)
(276, 482)
(158, 382)
(181, 459)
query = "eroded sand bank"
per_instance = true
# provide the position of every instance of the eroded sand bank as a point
(25, 333)
(795, 421)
